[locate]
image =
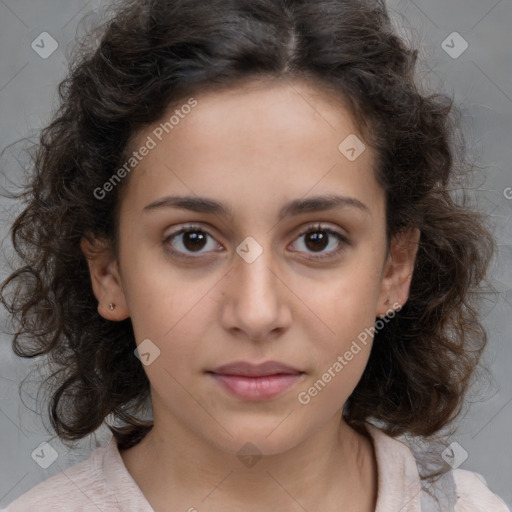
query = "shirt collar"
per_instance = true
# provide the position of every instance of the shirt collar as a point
(399, 484)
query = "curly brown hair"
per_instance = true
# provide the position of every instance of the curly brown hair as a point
(154, 53)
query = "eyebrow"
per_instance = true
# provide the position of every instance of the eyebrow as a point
(292, 208)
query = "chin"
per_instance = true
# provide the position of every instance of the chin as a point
(256, 440)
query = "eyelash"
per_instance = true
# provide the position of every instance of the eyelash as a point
(311, 229)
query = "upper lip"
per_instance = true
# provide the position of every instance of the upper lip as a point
(246, 369)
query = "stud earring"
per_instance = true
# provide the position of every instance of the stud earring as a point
(111, 306)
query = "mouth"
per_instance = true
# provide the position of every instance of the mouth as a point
(252, 382)
(245, 369)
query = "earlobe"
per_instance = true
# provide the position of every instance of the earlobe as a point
(399, 269)
(105, 279)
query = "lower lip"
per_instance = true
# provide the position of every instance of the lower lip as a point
(256, 388)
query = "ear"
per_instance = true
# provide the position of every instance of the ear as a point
(105, 278)
(398, 269)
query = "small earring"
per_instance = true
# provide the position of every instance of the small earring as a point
(111, 306)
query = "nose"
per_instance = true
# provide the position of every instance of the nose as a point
(256, 299)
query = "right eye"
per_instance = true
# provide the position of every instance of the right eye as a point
(188, 238)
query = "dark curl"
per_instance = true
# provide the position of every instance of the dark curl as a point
(154, 53)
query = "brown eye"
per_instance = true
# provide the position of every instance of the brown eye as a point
(189, 240)
(317, 241)
(193, 240)
(318, 238)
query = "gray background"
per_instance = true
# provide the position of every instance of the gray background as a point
(480, 80)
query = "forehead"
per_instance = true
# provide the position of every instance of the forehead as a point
(259, 139)
(275, 111)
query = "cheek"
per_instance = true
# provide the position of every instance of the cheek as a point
(166, 315)
(170, 310)
(156, 295)
(173, 327)
(340, 353)
(345, 310)
(327, 390)
(152, 308)
(347, 302)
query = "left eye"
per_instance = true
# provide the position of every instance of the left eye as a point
(318, 237)
(194, 238)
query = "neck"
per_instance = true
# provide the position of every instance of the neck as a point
(177, 470)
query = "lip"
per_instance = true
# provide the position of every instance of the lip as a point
(256, 388)
(245, 369)
(252, 382)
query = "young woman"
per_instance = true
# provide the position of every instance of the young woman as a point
(239, 222)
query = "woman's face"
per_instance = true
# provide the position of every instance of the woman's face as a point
(248, 285)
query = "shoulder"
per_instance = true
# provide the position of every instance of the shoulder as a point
(74, 488)
(99, 483)
(473, 494)
(401, 466)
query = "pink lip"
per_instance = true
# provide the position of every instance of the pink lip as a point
(256, 382)
(255, 370)
(256, 388)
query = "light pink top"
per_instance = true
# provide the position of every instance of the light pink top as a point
(102, 483)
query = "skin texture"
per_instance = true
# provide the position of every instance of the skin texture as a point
(253, 148)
